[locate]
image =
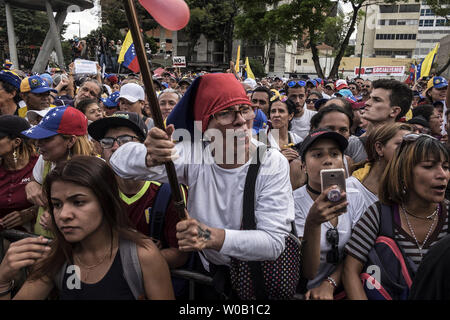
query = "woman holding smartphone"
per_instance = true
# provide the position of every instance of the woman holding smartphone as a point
(321, 224)
(93, 248)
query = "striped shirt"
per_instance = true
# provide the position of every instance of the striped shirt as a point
(367, 230)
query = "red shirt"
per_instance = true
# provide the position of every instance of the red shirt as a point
(12, 188)
(136, 206)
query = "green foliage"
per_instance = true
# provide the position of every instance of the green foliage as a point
(30, 27)
(212, 18)
(257, 67)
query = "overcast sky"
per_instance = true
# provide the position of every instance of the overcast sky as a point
(90, 22)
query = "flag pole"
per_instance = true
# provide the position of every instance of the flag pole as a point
(153, 101)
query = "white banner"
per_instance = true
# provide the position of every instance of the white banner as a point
(85, 67)
(179, 62)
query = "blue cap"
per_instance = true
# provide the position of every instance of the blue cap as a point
(35, 84)
(439, 82)
(346, 93)
(112, 101)
(48, 78)
(10, 77)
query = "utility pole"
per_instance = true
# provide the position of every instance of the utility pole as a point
(362, 44)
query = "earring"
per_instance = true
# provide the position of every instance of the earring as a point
(15, 157)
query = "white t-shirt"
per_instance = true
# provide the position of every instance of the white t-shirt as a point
(293, 137)
(216, 197)
(38, 170)
(368, 197)
(303, 203)
(302, 125)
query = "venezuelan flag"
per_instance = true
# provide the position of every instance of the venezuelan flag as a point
(127, 54)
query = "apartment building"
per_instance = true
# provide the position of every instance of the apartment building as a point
(431, 30)
(391, 30)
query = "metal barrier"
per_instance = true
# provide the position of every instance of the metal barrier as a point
(191, 276)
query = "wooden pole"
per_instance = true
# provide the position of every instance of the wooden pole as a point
(153, 101)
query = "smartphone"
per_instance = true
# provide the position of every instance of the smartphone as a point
(333, 177)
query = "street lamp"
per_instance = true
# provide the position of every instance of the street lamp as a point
(79, 27)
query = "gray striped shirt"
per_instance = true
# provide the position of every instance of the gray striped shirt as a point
(367, 229)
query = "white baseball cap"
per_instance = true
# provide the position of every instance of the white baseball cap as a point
(341, 84)
(132, 92)
(33, 115)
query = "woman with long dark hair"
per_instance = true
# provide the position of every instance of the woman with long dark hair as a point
(88, 258)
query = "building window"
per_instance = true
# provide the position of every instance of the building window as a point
(426, 23)
(409, 8)
(426, 12)
(392, 22)
(389, 9)
(440, 22)
(305, 60)
(298, 62)
(381, 22)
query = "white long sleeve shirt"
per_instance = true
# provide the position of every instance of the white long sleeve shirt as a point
(216, 198)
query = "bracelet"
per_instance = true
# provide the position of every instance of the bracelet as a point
(332, 281)
(11, 286)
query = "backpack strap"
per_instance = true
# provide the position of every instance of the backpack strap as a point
(158, 211)
(249, 223)
(386, 220)
(132, 271)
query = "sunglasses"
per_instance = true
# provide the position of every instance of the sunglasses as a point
(412, 137)
(108, 142)
(332, 237)
(308, 101)
(293, 83)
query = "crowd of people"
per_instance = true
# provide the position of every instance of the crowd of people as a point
(82, 168)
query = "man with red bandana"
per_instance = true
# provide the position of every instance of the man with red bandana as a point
(216, 179)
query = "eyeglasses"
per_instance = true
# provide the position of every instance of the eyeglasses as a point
(308, 101)
(293, 83)
(332, 237)
(228, 116)
(108, 142)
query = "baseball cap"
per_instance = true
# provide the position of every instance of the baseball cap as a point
(419, 120)
(437, 82)
(60, 120)
(112, 100)
(35, 84)
(346, 93)
(322, 134)
(10, 77)
(132, 120)
(331, 85)
(132, 92)
(185, 80)
(12, 125)
(48, 78)
(112, 78)
(313, 82)
(319, 103)
(357, 105)
(32, 115)
(341, 84)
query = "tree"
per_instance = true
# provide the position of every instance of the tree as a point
(30, 27)
(215, 20)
